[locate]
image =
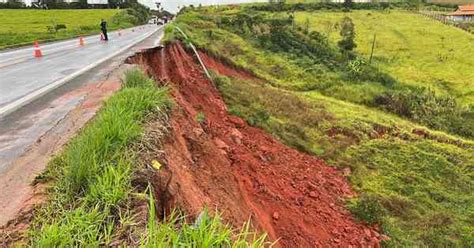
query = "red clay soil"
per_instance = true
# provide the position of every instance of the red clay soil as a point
(245, 173)
(224, 70)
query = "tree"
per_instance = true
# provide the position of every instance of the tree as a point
(347, 4)
(347, 43)
(278, 3)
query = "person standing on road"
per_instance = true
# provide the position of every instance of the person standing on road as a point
(103, 27)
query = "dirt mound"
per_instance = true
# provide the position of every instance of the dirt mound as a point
(221, 162)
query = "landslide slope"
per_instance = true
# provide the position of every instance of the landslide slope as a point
(219, 161)
(407, 151)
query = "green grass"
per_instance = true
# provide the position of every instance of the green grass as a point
(206, 231)
(92, 177)
(415, 50)
(414, 181)
(20, 27)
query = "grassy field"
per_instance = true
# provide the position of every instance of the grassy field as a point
(20, 27)
(413, 49)
(414, 181)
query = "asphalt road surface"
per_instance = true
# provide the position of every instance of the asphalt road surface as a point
(24, 78)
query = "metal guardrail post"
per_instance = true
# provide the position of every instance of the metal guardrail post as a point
(197, 54)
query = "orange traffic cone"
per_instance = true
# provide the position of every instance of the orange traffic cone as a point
(81, 41)
(38, 53)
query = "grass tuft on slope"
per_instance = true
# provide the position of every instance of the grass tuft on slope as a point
(206, 231)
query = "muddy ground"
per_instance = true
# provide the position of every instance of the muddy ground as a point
(221, 162)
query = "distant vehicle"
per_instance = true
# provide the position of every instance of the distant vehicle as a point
(153, 20)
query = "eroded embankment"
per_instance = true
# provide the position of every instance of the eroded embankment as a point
(217, 160)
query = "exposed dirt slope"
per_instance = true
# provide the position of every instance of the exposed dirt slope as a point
(225, 163)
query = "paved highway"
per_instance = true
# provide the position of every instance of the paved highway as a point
(24, 78)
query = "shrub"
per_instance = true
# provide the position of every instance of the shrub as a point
(424, 106)
(347, 44)
(259, 115)
(367, 208)
(140, 12)
(12, 5)
(122, 18)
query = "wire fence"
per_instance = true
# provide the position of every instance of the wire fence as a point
(445, 19)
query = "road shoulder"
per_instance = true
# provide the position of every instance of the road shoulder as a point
(18, 196)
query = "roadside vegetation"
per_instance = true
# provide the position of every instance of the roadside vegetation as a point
(93, 193)
(393, 139)
(23, 26)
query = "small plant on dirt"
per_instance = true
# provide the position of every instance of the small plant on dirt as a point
(201, 118)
